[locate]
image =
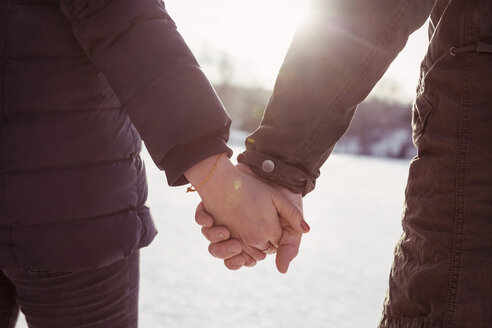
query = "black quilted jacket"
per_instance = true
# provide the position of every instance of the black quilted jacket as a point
(82, 82)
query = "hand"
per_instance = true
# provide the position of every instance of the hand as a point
(249, 208)
(221, 245)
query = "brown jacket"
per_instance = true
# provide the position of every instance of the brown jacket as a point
(442, 273)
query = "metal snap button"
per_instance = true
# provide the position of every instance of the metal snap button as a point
(267, 166)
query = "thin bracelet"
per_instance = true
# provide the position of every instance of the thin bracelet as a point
(193, 189)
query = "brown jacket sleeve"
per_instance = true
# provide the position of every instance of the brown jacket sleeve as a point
(333, 63)
(136, 46)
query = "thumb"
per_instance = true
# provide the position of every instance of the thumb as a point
(291, 214)
(288, 249)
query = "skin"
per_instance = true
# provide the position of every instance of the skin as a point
(258, 218)
(226, 248)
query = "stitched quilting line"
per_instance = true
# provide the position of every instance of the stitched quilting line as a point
(132, 157)
(45, 3)
(44, 57)
(57, 112)
(83, 219)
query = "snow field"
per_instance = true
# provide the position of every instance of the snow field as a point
(339, 278)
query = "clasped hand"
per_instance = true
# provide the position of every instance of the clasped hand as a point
(245, 218)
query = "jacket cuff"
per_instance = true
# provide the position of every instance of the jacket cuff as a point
(276, 171)
(183, 157)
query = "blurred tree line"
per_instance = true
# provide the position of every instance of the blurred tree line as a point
(380, 127)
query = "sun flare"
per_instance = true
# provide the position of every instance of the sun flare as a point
(252, 37)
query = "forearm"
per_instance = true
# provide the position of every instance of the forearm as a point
(333, 63)
(155, 76)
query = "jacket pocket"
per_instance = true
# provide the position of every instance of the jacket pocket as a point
(420, 115)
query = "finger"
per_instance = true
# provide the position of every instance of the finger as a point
(287, 250)
(255, 254)
(225, 249)
(248, 261)
(235, 262)
(291, 214)
(216, 234)
(202, 217)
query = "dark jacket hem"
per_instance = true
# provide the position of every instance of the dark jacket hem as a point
(389, 322)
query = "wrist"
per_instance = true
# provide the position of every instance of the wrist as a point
(209, 174)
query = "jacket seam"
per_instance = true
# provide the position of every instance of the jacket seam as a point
(34, 3)
(442, 14)
(422, 320)
(64, 221)
(21, 114)
(192, 67)
(43, 57)
(71, 167)
(387, 31)
(93, 51)
(461, 157)
(76, 20)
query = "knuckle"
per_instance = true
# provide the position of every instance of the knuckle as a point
(222, 233)
(255, 254)
(275, 234)
(295, 213)
(235, 246)
(253, 241)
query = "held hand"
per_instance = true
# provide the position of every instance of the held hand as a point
(288, 246)
(291, 240)
(249, 208)
(221, 246)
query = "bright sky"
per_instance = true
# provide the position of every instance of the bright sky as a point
(254, 35)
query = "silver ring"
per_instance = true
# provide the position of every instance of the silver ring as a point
(270, 250)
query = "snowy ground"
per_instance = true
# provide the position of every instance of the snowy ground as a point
(338, 280)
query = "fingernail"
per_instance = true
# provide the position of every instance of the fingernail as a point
(234, 249)
(305, 226)
(220, 235)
